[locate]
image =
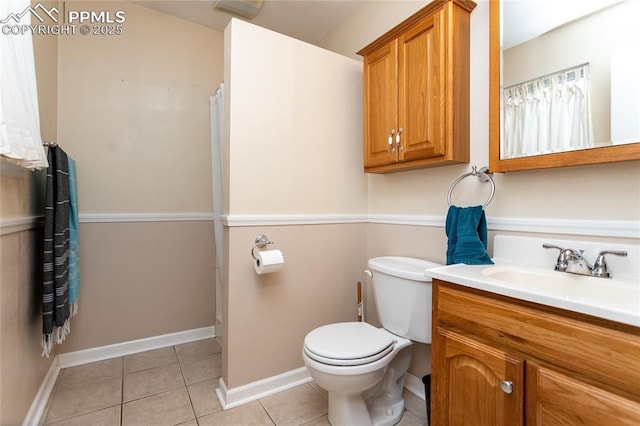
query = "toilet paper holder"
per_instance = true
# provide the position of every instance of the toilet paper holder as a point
(261, 241)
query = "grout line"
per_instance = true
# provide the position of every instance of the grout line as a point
(267, 412)
(186, 387)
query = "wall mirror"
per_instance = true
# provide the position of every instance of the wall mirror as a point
(564, 85)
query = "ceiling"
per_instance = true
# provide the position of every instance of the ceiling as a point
(306, 20)
(524, 20)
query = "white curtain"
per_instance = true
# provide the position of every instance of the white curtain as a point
(217, 151)
(549, 114)
(20, 140)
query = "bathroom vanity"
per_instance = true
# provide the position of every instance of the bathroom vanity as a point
(518, 354)
(504, 361)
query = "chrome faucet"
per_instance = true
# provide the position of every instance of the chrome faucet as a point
(573, 262)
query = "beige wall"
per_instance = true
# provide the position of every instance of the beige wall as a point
(142, 280)
(269, 315)
(295, 112)
(294, 117)
(134, 114)
(22, 368)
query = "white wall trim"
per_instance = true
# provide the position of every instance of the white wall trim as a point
(277, 220)
(597, 228)
(127, 348)
(8, 226)
(39, 404)
(415, 220)
(234, 397)
(144, 217)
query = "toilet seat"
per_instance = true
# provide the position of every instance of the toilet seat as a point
(348, 344)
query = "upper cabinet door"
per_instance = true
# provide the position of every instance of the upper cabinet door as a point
(381, 105)
(416, 90)
(421, 95)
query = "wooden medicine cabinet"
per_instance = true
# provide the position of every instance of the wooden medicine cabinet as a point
(416, 91)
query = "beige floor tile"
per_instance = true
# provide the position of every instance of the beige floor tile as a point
(149, 382)
(414, 404)
(84, 398)
(295, 406)
(318, 389)
(106, 417)
(198, 349)
(92, 372)
(251, 414)
(189, 423)
(320, 421)
(168, 408)
(149, 359)
(410, 419)
(203, 397)
(201, 369)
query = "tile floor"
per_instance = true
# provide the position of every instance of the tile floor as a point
(175, 386)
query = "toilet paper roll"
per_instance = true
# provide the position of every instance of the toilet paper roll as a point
(268, 261)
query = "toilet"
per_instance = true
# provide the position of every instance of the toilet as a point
(362, 367)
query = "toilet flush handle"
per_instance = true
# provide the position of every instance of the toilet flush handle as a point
(369, 273)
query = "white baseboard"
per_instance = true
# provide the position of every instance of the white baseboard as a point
(127, 348)
(414, 385)
(230, 398)
(39, 404)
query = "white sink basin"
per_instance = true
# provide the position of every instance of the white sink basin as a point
(608, 291)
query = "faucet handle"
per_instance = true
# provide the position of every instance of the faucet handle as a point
(600, 265)
(561, 262)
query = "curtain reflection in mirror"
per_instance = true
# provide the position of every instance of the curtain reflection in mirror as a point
(551, 113)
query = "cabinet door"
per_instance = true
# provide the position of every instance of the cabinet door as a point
(422, 98)
(380, 105)
(468, 379)
(554, 398)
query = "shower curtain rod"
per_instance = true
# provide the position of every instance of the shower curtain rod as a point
(551, 74)
(49, 143)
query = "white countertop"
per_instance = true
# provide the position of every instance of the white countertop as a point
(616, 299)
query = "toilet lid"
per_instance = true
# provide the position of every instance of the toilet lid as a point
(348, 343)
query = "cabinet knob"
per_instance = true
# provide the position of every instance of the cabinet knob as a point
(506, 386)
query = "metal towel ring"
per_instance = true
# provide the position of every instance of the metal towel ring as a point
(482, 175)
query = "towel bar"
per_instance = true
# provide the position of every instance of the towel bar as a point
(482, 175)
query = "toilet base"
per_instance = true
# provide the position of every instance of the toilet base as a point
(382, 405)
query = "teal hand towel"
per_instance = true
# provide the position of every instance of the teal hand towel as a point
(466, 229)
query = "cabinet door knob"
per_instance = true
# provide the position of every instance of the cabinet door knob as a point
(506, 386)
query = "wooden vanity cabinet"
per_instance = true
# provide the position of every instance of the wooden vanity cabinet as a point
(416, 91)
(503, 361)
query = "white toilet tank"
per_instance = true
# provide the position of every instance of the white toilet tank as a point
(402, 294)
